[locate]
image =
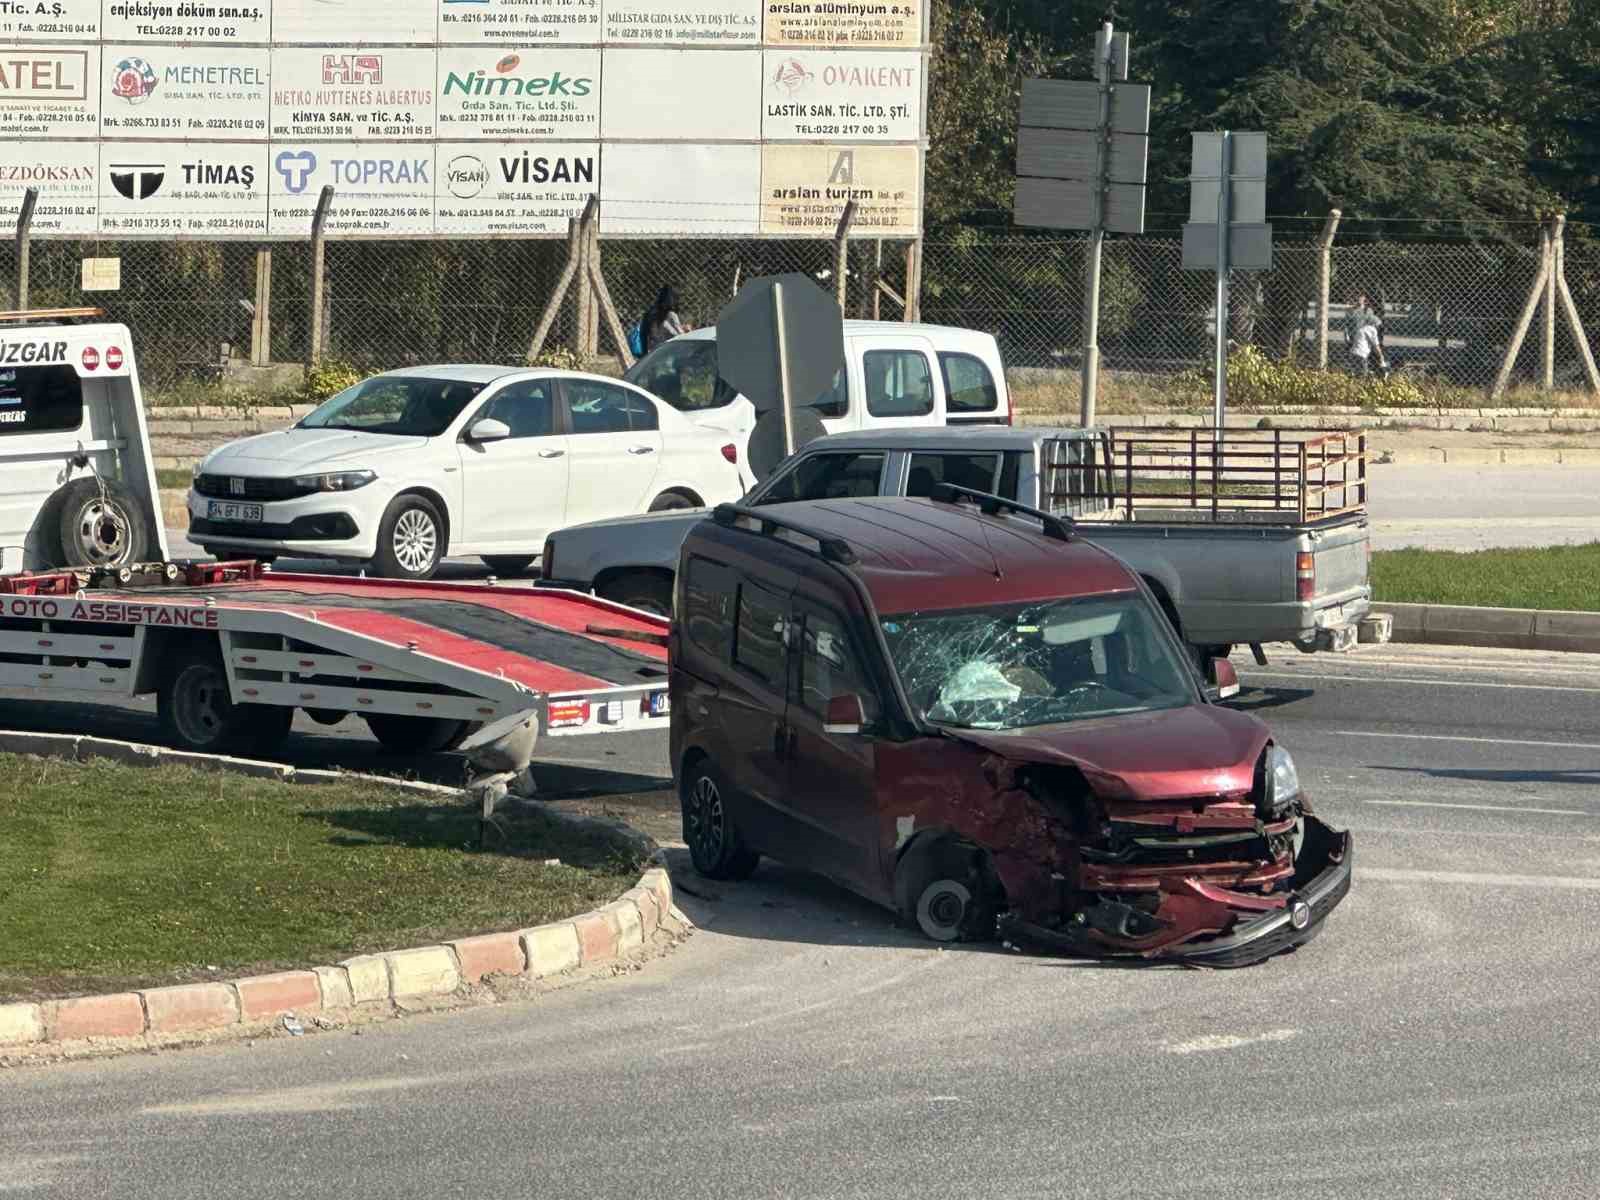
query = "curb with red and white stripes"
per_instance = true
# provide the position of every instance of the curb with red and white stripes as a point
(356, 988)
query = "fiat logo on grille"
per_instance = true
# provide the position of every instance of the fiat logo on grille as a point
(236, 486)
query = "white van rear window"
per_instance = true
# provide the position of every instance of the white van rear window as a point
(41, 399)
(968, 386)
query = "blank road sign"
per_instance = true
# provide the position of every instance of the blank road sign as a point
(1247, 201)
(1075, 104)
(1248, 152)
(1070, 154)
(1069, 204)
(1249, 247)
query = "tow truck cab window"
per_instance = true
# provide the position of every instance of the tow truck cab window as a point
(827, 477)
(43, 399)
(708, 605)
(968, 385)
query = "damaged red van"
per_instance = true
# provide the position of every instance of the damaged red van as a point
(960, 710)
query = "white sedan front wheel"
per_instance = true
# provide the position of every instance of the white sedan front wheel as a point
(411, 539)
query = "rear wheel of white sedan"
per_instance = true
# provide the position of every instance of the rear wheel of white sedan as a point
(410, 539)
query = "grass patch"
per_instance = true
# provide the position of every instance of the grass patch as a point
(1551, 577)
(114, 877)
(174, 477)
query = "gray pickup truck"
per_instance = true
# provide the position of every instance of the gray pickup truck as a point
(1262, 538)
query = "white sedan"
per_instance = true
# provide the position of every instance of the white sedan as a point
(411, 465)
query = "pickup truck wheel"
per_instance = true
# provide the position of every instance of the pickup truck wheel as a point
(715, 847)
(101, 528)
(637, 589)
(418, 735)
(197, 713)
(410, 539)
(508, 564)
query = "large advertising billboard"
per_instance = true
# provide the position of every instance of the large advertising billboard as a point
(462, 118)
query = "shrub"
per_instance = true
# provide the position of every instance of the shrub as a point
(328, 378)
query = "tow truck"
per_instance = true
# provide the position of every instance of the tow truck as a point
(230, 650)
(90, 602)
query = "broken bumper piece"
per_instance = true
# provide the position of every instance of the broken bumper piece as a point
(1325, 864)
(1321, 880)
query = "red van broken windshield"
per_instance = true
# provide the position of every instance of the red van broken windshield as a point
(1013, 666)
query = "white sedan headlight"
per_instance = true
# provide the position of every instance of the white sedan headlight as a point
(339, 481)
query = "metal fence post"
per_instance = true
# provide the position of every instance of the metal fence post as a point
(1574, 321)
(841, 256)
(24, 229)
(319, 222)
(1547, 373)
(261, 318)
(913, 303)
(1325, 284)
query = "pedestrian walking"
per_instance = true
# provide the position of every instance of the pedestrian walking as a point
(1363, 331)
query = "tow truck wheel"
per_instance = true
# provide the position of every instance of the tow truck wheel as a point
(100, 528)
(418, 735)
(197, 712)
(715, 847)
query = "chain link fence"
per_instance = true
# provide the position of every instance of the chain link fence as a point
(1449, 307)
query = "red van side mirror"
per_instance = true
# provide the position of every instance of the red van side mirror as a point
(845, 715)
(1227, 679)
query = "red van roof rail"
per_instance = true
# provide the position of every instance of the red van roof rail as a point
(834, 549)
(990, 505)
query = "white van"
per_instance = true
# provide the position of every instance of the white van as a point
(79, 487)
(896, 375)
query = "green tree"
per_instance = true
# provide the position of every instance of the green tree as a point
(974, 89)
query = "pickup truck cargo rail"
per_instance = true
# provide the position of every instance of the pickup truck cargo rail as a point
(1245, 477)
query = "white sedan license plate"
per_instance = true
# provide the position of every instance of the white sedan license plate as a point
(228, 510)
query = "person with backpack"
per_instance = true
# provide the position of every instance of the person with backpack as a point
(660, 322)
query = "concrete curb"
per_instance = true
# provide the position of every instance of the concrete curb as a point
(1504, 628)
(371, 985)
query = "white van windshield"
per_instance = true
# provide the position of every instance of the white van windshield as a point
(404, 405)
(683, 372)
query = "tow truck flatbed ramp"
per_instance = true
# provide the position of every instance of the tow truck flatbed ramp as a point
(437, 652)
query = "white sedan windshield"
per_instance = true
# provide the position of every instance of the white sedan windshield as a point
(1017, 665)
(408, 406)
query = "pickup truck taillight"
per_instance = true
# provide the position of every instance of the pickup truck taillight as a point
(731, 453)
(1305, 575)
(547, 560)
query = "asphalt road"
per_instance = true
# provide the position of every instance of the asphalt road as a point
(1473, 508)
(1436, 1040)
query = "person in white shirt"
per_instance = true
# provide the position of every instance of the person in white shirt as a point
(1363, 331)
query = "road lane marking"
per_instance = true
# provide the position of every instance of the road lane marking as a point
(1577, 883)
(1227, 1041)
(1455, 737)
(1511, 808)
(1471, 683)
